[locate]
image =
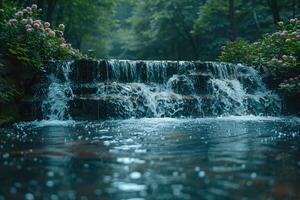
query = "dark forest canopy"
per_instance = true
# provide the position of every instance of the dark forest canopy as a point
(160, 29)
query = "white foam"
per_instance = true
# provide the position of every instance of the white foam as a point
(45, 123)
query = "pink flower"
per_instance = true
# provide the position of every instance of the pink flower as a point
(52, 33)
(28, 26)
(294, 33)
(37, 22)
(34, 6)
(24, 21)
(29, 21)
(42, 30)
(36, 25)
(284, 57)
(19, 14)
(274, 59)
(47, 24)
(63, 45)
(29, 30)
(61, 27)
(28, 9)
(24, 11)
(12, 22)
(48, 29)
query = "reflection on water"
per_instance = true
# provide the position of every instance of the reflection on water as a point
(139, 159)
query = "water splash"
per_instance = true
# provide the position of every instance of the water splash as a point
(55, 106)
(125, 89)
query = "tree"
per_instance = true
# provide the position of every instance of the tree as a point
(275, 11)
(234, 30)
(162, 30)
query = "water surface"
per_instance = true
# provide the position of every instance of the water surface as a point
(157, 158)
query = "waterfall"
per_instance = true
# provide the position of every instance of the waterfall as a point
(123, 89)
(55, 105)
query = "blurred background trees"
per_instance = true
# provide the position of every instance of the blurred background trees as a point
(160, 29)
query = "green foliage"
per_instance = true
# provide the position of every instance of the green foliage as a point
(279, 52)
(239, 51)
(290, 86)
(30, 41)
(190, 29)
(26, 43)
(157, 29)
(7, 92)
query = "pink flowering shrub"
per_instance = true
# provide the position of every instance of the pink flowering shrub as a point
(291, 86)
(277, 53)
(30, 41)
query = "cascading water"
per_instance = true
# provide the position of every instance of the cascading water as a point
(55, 106)
(124, 89)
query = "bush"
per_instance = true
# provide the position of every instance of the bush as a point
(290, 86)
(239, 51)
(278, 53)
(26, 43)
(30, 41)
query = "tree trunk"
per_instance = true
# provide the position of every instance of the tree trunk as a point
(50, 10)
(275, 11)
(232, 19)
(294, 8)
(257, 24)
(60, 14)
(40, 4)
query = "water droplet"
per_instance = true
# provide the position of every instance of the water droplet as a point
(253, 175)
(98, 192)
(29, 196)
(135, 175)
(13, 190)
(50, 183)
(201, 174)
(86, 165)
(54, 197)
(50, 173)
(197, 169)
(6, 155)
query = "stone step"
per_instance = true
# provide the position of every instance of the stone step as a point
(87, 71)
(117, 106)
